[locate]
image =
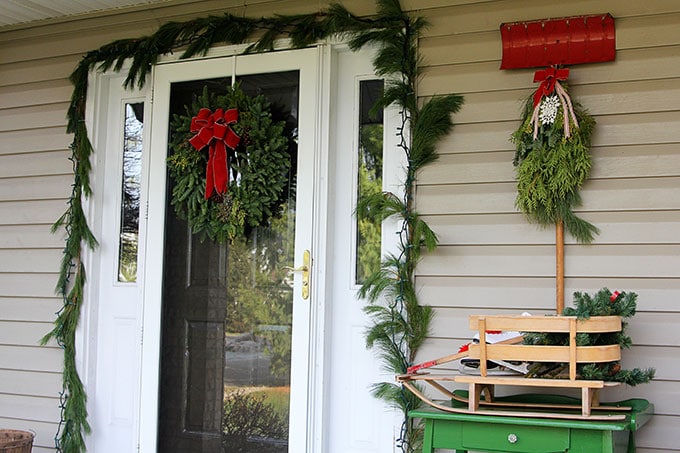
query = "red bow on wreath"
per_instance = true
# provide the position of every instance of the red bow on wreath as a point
(213, 129)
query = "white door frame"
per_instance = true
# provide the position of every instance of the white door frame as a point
(318, 78)
(311, 128)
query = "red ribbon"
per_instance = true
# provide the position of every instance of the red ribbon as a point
(548, 78)
(212, 129)
(615, 295)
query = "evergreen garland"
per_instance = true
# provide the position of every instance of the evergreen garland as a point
(400, 324)
(551, 168)
(258, 168)
(604, 303)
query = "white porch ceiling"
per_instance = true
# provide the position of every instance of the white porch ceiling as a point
(23, 11)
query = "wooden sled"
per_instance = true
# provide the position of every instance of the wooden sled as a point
(512, 351)
(513, 409)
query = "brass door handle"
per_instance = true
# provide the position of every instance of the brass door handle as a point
(305, 268)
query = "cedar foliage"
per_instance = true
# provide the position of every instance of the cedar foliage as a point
(552, 168)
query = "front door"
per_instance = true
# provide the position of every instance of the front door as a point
(234, 328)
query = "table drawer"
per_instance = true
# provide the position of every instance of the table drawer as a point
(514, 438)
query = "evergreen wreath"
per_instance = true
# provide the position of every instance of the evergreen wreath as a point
(258, 168)
(603, 303)
(552, 162)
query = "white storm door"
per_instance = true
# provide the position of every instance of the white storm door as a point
(306, 62)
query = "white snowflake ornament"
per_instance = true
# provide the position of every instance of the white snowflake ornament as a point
(548, 109)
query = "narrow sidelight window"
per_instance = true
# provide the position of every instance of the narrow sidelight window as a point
(370, 140)
(131, 188)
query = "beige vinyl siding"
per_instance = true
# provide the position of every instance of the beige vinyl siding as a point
(491, 261)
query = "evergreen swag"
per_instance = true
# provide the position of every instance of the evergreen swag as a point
(399, 322)
(604, 303)
(258, 168)
(552, 168)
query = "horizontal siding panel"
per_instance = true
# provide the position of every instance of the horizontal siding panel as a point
(608, 162)
(474, 47)
(661, 261)
(24, 118)
(31, 212)
(45, 431)
(645, 328)
(461, 168)
(601, 195)
(660, 435)
(633, 129)
(29, 236)
(630, 65)
(29, 408)
(25, 309)
(626, 195)
(36, 164)
(484, 17)
(478, 137)
(36, 188)
(37, 358)
(30, 383)
(30, 260)
(465, 199)
(648, 31)
(35, 141)
(535, 293)
(662, 227)
(48, 92)
(55, 68)
(29, 285)
(23, 333)
(68, 44)
(598, 99)
(611, 130)
(635, 160)
(663, 359)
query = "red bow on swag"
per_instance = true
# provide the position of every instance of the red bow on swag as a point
(213, 129)
(548, 78)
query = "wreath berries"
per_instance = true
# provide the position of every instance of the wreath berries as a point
(257, 167)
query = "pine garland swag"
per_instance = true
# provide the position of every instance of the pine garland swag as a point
(396, 35)
(603, 303)
(552, 167)
(258, 168)
(399, 324)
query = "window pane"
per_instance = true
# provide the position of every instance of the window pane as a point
(369, 177)
(132, 170)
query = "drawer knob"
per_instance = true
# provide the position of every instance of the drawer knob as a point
(512, 438)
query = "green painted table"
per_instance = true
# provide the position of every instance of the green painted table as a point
(490, 433)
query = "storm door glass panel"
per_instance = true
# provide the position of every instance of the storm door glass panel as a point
(370, 154)
(131, 188)
(227, 311)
